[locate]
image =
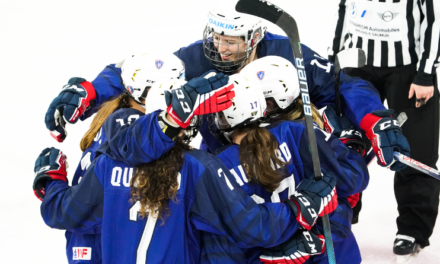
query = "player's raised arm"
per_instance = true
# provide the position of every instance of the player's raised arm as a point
(78, 208)
(223, 208)
(152, 135)
(80, 99)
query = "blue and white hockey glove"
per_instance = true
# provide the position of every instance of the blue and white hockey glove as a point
(297, 250)
(344, 129)
(68, 106)
(205, 95)
(51, 164)
(313, 199)
(386, 136)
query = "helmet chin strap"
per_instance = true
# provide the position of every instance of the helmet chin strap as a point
(227, 135)
(139, 103)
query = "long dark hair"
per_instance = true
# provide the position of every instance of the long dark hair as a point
(259, 160)
(155, 183)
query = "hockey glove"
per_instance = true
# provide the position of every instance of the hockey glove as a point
(169, 129)
(386, 136)
(297, 250)
(204, 95)
(344, 129)
(51, 164)
(313, 199)
(68, 106)
(353, 199)
(272, 255)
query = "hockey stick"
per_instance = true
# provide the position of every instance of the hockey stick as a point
(349, 58)
(417, 165)
(278, 16)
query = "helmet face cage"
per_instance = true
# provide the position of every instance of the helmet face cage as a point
(211, 42)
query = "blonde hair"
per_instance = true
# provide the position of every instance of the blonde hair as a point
(107, 108)
(297, 112)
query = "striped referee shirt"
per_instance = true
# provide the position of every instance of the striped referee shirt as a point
(392, 33)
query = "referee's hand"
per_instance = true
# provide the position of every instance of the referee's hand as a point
(423, 93)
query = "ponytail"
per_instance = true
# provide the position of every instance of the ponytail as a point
(258, 157)
(297, 112)
(107, 108)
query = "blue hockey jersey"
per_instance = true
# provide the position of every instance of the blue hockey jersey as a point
(320, 79)
(334, 156)
(319, 71)
(209, 200)
(346, 164)
(86, 248)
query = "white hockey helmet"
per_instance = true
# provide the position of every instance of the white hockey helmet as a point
(141, 71)
(278, 79)
(248, 106)
(156, 96)
(225, 21)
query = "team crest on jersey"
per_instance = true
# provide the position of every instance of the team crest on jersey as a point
(159, 64)
(130, 89)
(82, 253)
(260, 75)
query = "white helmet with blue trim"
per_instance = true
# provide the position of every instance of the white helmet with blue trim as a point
(279, 80)
(248, 106)
(141, 71)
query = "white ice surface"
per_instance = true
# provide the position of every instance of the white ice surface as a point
(44, 43)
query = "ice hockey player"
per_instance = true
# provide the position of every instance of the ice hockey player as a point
(250, 160)
(139, 73)
(248, 40)
(348, 164)
(196, 187)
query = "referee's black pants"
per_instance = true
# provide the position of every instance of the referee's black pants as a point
(416, 193)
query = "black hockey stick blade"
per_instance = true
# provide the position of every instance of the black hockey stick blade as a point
(350, 58)
(276, 15)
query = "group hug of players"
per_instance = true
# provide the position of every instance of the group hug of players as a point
(141, 194)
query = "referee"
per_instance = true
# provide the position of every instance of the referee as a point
(401, 42)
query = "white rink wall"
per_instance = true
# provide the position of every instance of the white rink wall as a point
(44, 43)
